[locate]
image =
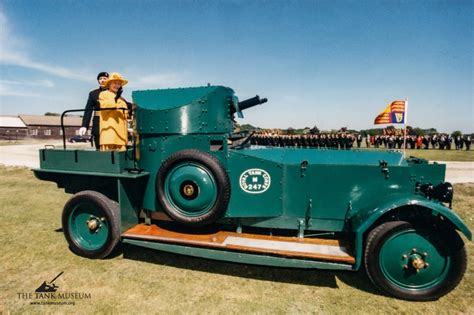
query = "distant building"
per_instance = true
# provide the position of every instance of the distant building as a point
(38, 127)
(12, 128)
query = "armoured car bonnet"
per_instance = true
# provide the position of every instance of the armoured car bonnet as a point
(340, 157)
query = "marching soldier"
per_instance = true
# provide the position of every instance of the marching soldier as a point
(359, 140)
(399, 141)
(426, 142)
(350, 141)
(467, 142)
(322, 141)
(458, 142)
(441, 142)
(434, 141)
(449, 141)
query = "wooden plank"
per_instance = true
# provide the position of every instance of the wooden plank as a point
(331, 250)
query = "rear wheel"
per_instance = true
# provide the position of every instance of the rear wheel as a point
(91, 224)
(414, 263)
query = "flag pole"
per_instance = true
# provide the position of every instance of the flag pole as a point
(405, 132)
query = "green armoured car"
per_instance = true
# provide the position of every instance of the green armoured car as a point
(190, 185)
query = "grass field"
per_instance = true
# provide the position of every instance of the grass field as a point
(437, 155)
(140, 281)
(443, 155)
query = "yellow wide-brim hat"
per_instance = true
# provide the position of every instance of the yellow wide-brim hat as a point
(115, 76)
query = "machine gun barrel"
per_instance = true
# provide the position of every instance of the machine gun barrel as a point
(251, 102)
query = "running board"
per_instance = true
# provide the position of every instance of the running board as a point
(289, 247)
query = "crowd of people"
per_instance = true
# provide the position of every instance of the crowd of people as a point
(435, 141)
(349, 140)
(323, 140)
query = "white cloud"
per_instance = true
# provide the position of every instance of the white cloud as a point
(13, 51)
(16, 51)
(14, 90)
(6, 90)
(36, 83)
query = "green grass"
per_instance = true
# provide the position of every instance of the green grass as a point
(146, 281)
(438, 155)
(443, 155)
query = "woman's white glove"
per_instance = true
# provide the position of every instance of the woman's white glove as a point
(82, 131)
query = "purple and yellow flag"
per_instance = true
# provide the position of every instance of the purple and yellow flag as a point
(393, 114)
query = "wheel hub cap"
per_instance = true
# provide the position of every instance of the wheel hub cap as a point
(191, 189)
(188, 190)
(93, 224)
(415, 260)
(418, 263)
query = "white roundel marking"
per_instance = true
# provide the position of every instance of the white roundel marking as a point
(255, 181)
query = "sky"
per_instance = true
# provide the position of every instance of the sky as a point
(326, 63)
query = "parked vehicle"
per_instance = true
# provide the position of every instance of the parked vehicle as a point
(80, 139)
(186, 188)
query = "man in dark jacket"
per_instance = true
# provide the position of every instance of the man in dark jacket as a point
(467, 142)
(359, 140)
(93, 104)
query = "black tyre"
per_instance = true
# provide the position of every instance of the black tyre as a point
(91, 224)
(414, 263)
(193, 188)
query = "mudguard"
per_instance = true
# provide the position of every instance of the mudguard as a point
(363, 220)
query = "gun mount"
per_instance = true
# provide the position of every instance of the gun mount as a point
(251, 102)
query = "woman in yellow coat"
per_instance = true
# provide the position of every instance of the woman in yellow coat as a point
(113, 120)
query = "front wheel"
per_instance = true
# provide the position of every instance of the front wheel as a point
(414, 263)
(91, 224)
